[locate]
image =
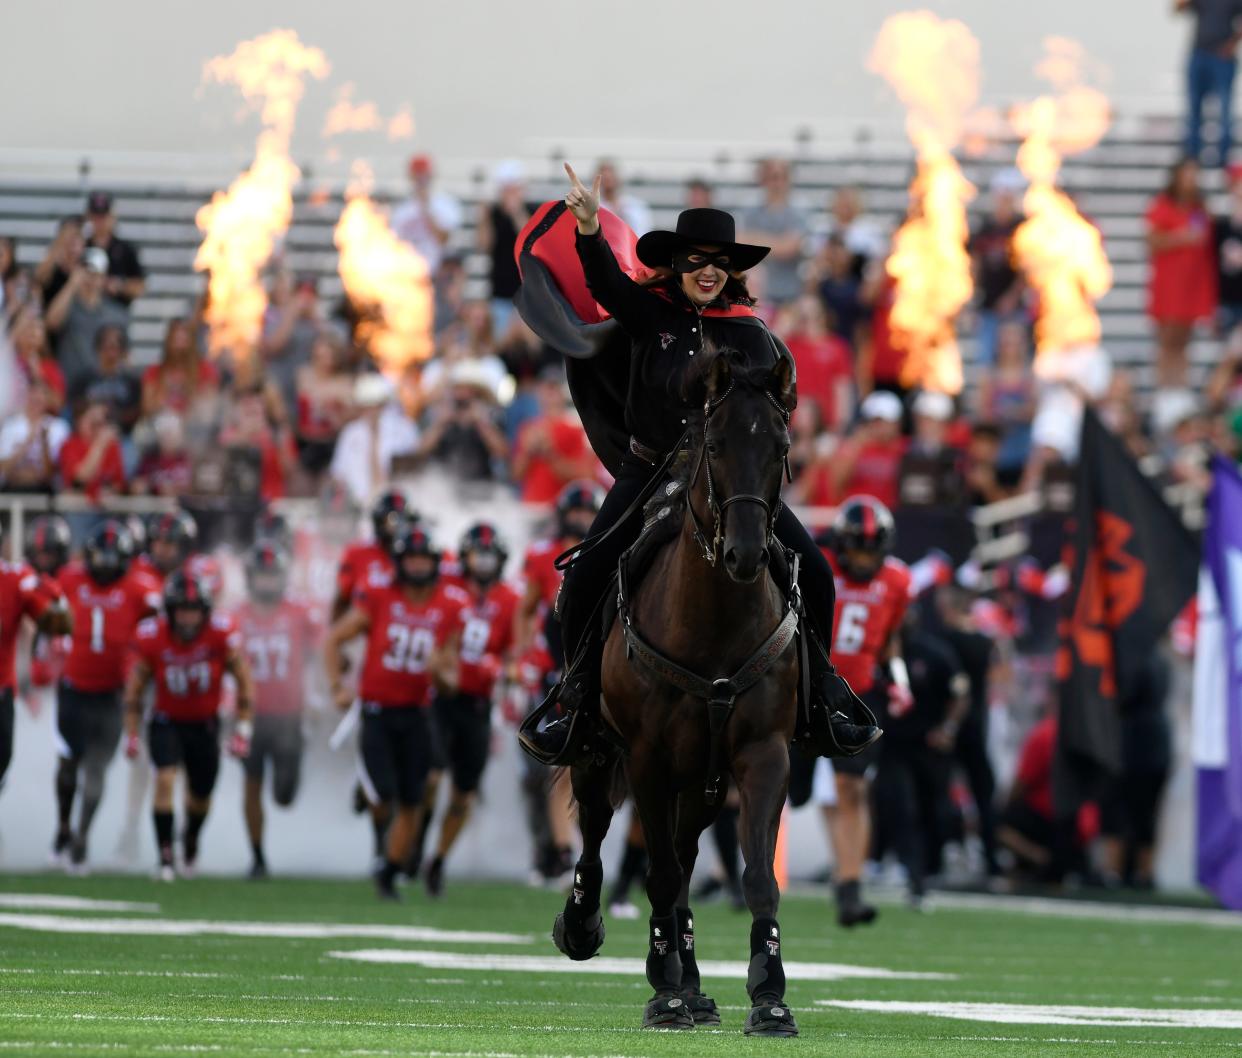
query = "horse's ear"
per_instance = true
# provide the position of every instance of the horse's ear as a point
(719, 375)
(785, 382)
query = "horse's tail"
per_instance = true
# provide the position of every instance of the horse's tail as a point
(609, 771)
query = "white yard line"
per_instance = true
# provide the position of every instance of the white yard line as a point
(170, 927)
(1045, 907)
(1049, 1014)
(448, 960)
(52, 902)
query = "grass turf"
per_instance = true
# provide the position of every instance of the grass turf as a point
(111, 993)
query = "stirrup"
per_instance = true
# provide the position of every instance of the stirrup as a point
(833, 731)
(552, 752)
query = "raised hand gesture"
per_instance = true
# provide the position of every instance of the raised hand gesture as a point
(583, 203)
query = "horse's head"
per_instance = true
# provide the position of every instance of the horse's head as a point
(743, 439)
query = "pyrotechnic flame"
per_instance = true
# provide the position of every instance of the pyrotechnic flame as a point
(1060, 252)
(241, 225)
(347, 116)
(933, 66)
(401, 124)
(386, 278)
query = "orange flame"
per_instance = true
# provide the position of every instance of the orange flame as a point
(401, 124)
(1060, 252)
(240, 226)
(347, 116)
(387, 278)
(933, 66)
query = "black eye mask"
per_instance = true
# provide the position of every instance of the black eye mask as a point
(693, 260)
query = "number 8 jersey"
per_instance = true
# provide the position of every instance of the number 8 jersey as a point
(187, 676)
(868, 613)
(401, 639)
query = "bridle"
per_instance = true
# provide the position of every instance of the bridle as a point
(711, 550)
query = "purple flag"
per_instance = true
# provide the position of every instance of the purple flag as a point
(1217, 734)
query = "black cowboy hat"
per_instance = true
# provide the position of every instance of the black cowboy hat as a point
(699, 227)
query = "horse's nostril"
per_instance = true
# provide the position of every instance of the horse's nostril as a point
(765, 556)
(731, 559)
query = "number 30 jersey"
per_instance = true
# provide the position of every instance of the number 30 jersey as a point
(278, 640)
(868, 612)
(402, 637)
(187, 676)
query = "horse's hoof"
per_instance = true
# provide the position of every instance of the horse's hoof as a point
(770, 1019)
(578, 940)
(667, 1012)
(702, 1008)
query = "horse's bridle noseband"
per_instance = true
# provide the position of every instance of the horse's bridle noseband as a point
(711, 550)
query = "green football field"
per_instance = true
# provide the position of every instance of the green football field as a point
(126, 966)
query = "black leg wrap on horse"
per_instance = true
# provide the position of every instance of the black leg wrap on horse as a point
(702, 1008)
(765, 980)
(579, 930)
(666, 1009)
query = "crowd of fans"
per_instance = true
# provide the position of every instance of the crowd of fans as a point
(304, 414)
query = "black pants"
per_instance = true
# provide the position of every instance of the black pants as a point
(586, 579)
(912, 800)
(971, 752)
(6, 731)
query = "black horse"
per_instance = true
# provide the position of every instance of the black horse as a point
(700, 677)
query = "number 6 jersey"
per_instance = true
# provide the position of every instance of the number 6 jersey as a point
(401, 639)
(868, 612)
(187, 676)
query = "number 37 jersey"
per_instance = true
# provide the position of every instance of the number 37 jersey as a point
(402, 637)
(868, 613)
(187, 676)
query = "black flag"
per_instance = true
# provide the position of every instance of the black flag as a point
(1135, 566)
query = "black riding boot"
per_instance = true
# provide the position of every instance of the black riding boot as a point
(574, 702)
(841, 724)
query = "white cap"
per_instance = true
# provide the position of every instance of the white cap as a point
(933, 405)
(509, 172)
(1172, 407)
(1010, 179)
(881, 405)
(372, 390)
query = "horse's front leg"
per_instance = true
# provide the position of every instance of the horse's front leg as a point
(694, 815)
(579, 930)
(762, 771)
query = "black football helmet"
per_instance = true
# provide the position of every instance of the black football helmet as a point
(171, 536)
(413, 539)
(388, 513)
(267, 572)
(47, 543)
(108, 552)
(578, 496)
(273, 527)
(862, 525)
(483, 553)
(184, 591)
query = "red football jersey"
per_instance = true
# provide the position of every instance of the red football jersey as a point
(104, 619)
(402, 636)
(363, 566)
(868, 613)
(23, 593)
(539, 569)
(278, 641)
(47, 659)
(187, 676)
(486, 635)
(143, 564)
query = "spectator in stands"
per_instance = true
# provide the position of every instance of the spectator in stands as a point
(525, 357)
(840, 288)
(863, 238)
(450, 292)
(428, 218)
(613, 196)
(365, 451)
(982, 475)
(699, 194)
(777, 223)
(112, 384)
(165, 468)
(552, 448)
(78, 311)
(497, 232)
(999, 286)
(62, 257)
(1006, 396)
(34, 356)
(291, 325)
(880, 360)
(1210, 69)
(1227, 236)
(251, 432)
(325, 403)
(1181, 288)
(931, 466)
(182, 375)
(825, 374)
(464, 433)
(126, 279)
(868, 461)
(90, 459)
(9, 304)
(30, 443)
(1184, 440)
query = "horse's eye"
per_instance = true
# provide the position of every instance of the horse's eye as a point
(712, 448)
